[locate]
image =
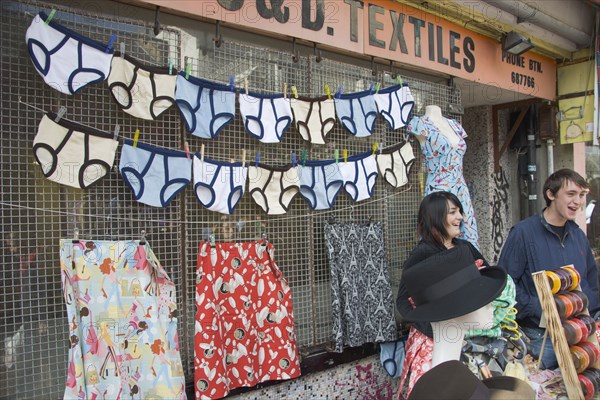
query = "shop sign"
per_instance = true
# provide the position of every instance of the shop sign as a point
(390, 30)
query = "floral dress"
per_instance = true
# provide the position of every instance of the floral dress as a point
(444, 168)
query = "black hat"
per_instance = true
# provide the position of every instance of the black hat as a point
(453, 380)
(448, 285)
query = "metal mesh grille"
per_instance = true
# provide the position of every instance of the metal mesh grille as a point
(36, 213)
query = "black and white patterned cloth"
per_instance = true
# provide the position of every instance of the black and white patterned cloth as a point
(362, 300)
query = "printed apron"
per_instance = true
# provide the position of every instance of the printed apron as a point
(122, 315)
(244, 320)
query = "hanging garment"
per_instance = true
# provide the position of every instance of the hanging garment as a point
(219, 186)
(66, 60)
(357, 112)
(314, 118)
(122, 316)
(395, 104)
(362, 300)
(140, 90)
(266, 117)
(154, 175)
(394, 163)
(244, 320)
(320, 183)
(206, 107)
(273, 188)
(445, 168)
(359, 173)
(72, 154)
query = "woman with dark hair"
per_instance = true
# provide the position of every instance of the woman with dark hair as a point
(438, 225)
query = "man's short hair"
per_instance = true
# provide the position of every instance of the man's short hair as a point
(559, 179)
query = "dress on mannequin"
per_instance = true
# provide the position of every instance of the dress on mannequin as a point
(443, 146)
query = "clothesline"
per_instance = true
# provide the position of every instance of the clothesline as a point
(180, 222)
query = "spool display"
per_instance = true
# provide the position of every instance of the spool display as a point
(581, 358)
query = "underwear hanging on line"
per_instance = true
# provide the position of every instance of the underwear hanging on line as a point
(207, 107)
(266, 117)
(72, 154)
(314, 118)
(219, 186)
(142, 91)
(67, 60)
(395, 104)
(273, 188)
(320, 183)
(359, 174)
(357, 112)
(155, 175)
(394, 163)
(244, 329)
(121, 322)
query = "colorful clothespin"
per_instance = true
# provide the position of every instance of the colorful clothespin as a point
(399, 80)
(202, 152)
(243, 158)
(257, 158)
(116, 134)
(111, 41)
(327, 92)
(246, 86)
(293, 159)
(136, 137)
(371, 88)
(295, 91)
(345, 155)
(188, 67)
(170, 66)
(339, 91)
(284, 90)
(61, 113)
(232, 83)
(122, 49)
(211, 239)
(375, 147)
(50, 16)
(186, 146)
(303, 157)
(336, 155)
(377, 85)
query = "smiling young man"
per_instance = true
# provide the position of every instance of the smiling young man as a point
(545, 242)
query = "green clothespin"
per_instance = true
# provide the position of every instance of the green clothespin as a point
(377, 87)
(303, 157)
(327, 92)
(187, 71)
(399, 80)
(336, 155)
(50, 16)
(295, 91)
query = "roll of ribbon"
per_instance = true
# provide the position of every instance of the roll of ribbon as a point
(573, 332)
(564, 306)
(554, 281)
(576, 300)
(581, 359)
(589, 322)
(575, 277)
(565, 279)
(587, 386)
(582, 296)
(591, 349)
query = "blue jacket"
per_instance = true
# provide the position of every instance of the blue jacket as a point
(533, 246)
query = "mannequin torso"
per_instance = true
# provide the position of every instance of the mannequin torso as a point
(434, 113)
(448, 335)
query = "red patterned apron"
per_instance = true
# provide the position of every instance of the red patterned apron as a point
(244, 331)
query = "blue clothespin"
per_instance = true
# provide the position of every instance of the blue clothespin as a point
(231, 83)
(339, 91)
(113, 37)
(371, 88)
(293, 158)
(170, 66)
(257, 158)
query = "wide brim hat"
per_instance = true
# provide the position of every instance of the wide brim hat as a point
(448, 285)
(453, 380)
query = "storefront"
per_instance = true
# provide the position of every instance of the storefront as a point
(298, 48)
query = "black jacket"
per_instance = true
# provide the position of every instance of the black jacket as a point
(422, 251)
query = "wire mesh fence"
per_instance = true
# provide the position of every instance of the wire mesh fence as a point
(36, 213)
